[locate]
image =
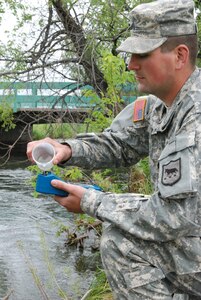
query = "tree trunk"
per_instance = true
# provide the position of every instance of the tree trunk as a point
(86, 59)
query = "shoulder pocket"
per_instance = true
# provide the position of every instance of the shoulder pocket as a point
(177, 167)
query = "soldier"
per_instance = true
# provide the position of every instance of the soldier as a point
(151, 248)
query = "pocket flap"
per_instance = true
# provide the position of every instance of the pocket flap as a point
(180, 142)
(142, 276)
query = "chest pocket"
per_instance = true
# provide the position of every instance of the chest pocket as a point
(177, 170)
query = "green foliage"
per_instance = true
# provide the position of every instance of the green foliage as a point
(114, 70)
(140, 180)
(32, 181)
(107, 21)
(110, 180)
(106, 17)
(76, 235)
(6, 116)
(83, 224)
(72, 174)
(62, 229)
(100, 289)
(110, 103)
(57, 131)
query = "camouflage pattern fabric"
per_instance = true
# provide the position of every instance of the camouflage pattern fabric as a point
(152, 23)
(151, 240)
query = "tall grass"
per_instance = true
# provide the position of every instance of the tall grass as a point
(100, 289)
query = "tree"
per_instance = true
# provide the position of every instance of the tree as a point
(64, 40)
(69, 41)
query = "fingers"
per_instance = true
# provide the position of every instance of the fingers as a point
(72, 202)
(73, 189)
(61, 185)
(33, 144)
(30, 146)
(63, 151)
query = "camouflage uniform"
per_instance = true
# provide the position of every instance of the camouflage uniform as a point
(157, 237)
(152, 247)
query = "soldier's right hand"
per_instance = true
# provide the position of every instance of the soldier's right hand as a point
(63, 151)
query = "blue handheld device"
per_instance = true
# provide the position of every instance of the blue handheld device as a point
(43, 154)
(43, 185)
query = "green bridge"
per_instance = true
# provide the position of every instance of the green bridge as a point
(40, 103)
(48, 96)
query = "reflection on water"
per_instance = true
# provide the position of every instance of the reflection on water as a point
(24, 221)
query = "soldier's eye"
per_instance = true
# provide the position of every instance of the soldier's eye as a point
(144, 55)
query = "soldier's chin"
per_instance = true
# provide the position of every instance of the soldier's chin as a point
(142, 88)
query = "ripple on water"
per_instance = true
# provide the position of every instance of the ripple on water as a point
(28, 240)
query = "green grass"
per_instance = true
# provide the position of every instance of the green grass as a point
(100, 289)
(57, 130)
(60, 130)
(140, 181)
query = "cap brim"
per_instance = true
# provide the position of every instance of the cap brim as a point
(140, 45)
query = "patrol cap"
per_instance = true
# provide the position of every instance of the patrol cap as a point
(152, 23)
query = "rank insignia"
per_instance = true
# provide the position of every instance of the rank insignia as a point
(139, 108)
(171, 172)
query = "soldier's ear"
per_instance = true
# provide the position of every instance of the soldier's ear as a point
(181, 56)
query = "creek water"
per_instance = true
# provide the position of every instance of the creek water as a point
(29, 246)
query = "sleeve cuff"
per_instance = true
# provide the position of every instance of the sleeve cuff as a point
(77, 152)
(91, 201)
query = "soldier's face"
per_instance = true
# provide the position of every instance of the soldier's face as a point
(155, 73)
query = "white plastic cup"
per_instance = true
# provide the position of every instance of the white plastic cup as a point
(43, 155)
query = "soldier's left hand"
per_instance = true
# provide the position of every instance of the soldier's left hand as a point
(72, 201)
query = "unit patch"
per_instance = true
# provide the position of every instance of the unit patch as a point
(139, 108)
(171, 172)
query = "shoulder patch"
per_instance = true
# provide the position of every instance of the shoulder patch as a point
(139, 108)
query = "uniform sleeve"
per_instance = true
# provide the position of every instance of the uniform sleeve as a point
(146, 218)
(120, 145)
(173, 211)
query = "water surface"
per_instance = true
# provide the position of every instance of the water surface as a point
(29, 246)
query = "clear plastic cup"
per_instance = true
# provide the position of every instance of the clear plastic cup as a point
(43, 155)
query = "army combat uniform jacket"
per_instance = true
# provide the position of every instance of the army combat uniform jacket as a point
(171, 137)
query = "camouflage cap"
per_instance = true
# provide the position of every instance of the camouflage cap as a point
(152, 23)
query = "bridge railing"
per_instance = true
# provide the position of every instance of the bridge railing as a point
(49, 95)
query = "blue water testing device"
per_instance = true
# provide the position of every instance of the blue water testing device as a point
(43, 154)
(43, 185)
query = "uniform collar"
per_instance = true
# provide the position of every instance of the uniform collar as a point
(186, 87)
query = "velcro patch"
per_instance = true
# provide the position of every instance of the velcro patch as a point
(139, 108)
(171, 172)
